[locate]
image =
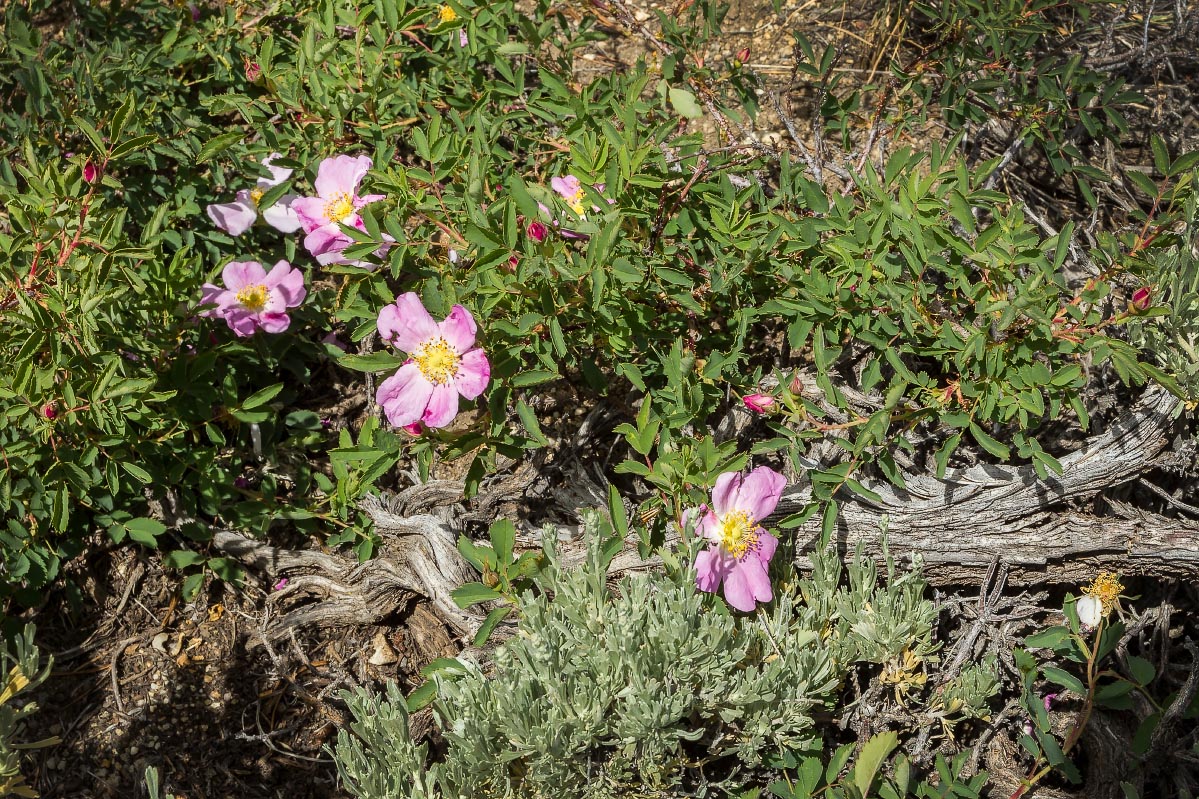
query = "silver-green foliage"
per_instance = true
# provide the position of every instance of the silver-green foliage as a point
(631, 692)
(20, 674)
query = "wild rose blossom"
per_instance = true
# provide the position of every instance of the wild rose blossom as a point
(237, 217)
(253, 299)
(570, 190)
(740, 548)
(443, 363)
(337, 202)
(759, 403)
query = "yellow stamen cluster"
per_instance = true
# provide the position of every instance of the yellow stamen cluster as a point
(1106, 588)
(738, 532)
(253, 298)
(339, 206)
(446, 14)
(576, 201)
(437, 361)
(256, 195)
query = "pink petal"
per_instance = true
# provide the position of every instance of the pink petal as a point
(311, 212)
(443, 406)
(474, 372)
(274, 322)
(281, 216)
(211, 294)
(406, 323)
(756, 579)
(239, 274)
(327, 238)
(405, 395)
(708, 526)
(758, 494)
(724, 491)
(234, 218)
(767, 544)
(278, 173)
(737, 591)
(709, 571)
(241, 322)
(367, 199)
(568, 186)
(458, 329)
(341, 173)
(288, 283)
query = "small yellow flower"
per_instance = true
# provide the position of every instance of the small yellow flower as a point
(905, 673)
(1106, 588)
(446, 14)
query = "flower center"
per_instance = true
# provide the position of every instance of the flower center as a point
(1106, 588)
(437, 361)
(576, 201)
(340, 206)
(738, 533)
(256, 195)
(253, 298)
(447, 14)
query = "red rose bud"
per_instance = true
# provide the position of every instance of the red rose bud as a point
(253, 71)
(50, 411)
(742, 56)
(1142, 298)
(537, 231)
(90, 172)
(759, 403)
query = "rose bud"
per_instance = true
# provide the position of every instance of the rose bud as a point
(50, 411)
(1142, 298)
(90, 172)
(537, 231)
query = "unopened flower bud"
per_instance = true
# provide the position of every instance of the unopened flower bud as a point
(537, 231)
(414, 429)
(253, 71)
(50, 411)
(90, 172)
(742, 57)
(1142, 298)
(759, 403)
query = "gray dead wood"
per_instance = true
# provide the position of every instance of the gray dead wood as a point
(419, 559)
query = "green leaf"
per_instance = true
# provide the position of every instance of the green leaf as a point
(218, 144)
(262, 397)
(1142, 670)
(474, 593)
(1047, 639)
(182, 558)
(138, 472)
(871, 758)
(145, 531)
(503, 535)
(489, 624)
(533, 377)
(992, 446)
(684, 102)
(372, 362)
(421, 696)
(1064, 679)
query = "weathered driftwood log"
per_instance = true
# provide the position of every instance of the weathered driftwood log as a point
(420, 558)
(958, 524)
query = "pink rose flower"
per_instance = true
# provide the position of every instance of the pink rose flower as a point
(337, 202)
(237, 217)
(443, 363)
(740, 549)
(759, 403)
(571, 190)
(254, 300)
